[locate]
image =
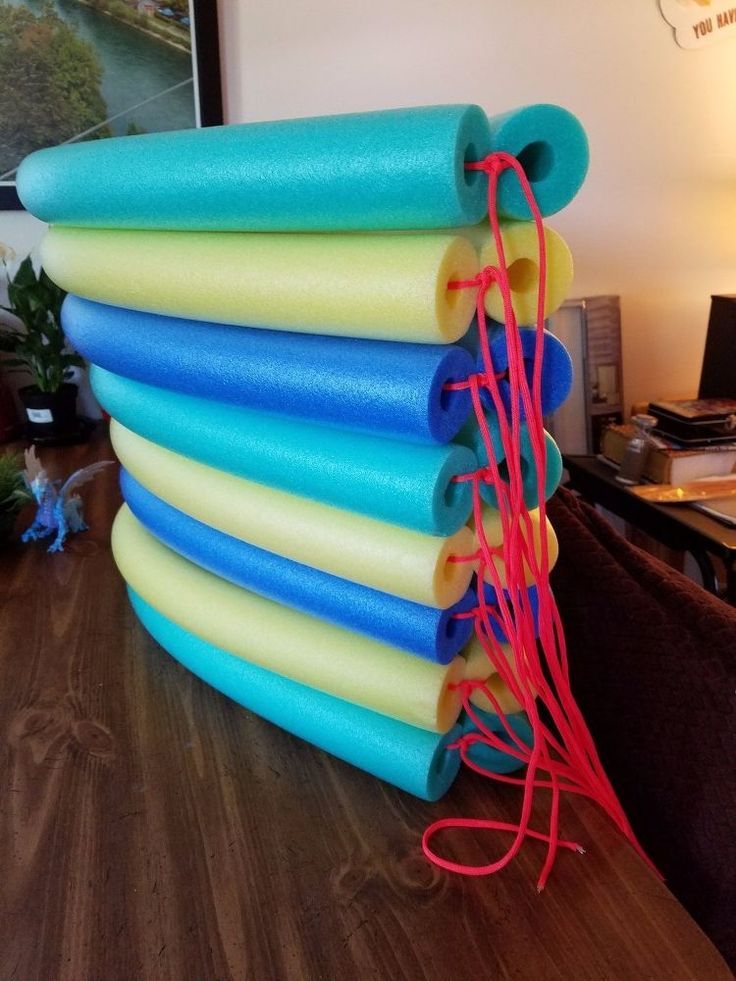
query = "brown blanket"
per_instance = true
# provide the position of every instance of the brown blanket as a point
(653, 667)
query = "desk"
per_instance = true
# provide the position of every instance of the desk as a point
(679, 527)
(152, 829)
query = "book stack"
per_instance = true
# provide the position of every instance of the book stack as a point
(696, 422)
(668, 461)
(287, 387)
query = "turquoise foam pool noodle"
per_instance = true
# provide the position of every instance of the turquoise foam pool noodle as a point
(399, 168)
(470, 436)
(489, 757)
(412, 759)
(402, 483)
(551, 146)
(380, 387)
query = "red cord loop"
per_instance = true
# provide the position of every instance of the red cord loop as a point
(482, 474)
(463, 284)
(533, 662)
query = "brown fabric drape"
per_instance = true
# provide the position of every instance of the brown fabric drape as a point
(653, 668)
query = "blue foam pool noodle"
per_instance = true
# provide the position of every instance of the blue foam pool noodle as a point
(430, 633)
(556, 367)
(491, 600)
(382, 387)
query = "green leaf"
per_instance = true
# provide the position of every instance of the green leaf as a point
(25, 275)
(36, 301)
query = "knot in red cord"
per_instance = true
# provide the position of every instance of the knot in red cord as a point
(467, 614)
(463, 686)
(484, 279)
(466, 741)
(487, 277)
(495, 163)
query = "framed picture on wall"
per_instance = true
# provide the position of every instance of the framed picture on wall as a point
(76, 70)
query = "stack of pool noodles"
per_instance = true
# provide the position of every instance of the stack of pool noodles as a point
(266, 309)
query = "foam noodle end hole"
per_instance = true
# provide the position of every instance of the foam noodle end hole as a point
(537, 160)
(454, 296)
(453, 491)
(472, 155)
(451, 627)
(449, 702)
(448, 396)
(523, 275)
(452, 577)
(444, 764)
(503, 470)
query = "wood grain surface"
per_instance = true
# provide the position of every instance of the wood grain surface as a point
(152, 829)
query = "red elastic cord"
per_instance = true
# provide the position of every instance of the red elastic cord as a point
(561, 757)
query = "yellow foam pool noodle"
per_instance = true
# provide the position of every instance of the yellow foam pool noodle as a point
(501, 692)
(478, 663)
(395, 560)
(373, 286)
(303, 648)
(521, 251)
(494, 536)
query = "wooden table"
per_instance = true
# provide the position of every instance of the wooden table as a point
(152, 829)
(679, 527)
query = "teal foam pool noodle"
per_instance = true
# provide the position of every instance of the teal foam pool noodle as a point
(412, 759)
(408, 484)
(551, 146)
(470, 436)
(392, 169)
(488, 756)
(399, 168)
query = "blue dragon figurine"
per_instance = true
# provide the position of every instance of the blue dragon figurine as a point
(59, 510)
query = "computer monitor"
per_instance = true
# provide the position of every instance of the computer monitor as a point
(718, 374)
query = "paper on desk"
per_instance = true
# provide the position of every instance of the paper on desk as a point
(723, 509)
(707, 489)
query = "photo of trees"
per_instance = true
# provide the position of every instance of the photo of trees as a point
(89, 69)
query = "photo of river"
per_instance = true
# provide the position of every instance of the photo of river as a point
(130, 81)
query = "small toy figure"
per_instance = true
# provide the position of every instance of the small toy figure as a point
(59, 511)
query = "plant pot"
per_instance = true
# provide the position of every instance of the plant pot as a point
(51, 415)
(7, 526)
(9, 426)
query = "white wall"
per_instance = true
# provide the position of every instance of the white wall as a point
(21, 231)
(656, 220)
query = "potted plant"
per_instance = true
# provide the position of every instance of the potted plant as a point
(9, 428)
(14, 493)
(39, 347)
